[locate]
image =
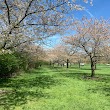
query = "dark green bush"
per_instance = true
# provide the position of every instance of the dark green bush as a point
(39, 63)
(23, 60)
(26, 61)
(9, 64)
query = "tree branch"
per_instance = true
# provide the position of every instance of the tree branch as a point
(27, 14)
(8, 11)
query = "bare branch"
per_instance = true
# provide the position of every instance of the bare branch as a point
(8, 11)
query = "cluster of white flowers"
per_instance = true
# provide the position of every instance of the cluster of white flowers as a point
(91, 2)
(78, 7)
(3, 51)
(86, 1)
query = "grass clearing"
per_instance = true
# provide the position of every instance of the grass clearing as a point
(57, 88)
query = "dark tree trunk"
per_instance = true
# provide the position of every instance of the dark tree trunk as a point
(50, 63)
(67, 63)
(79, 64)
(53, 64)
(93, 66)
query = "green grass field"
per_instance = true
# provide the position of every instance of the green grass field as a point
(57, 88)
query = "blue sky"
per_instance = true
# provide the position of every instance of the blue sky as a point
(100, 8)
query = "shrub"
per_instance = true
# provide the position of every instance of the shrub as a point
(39, 63)
(23, 60)
(9, 64)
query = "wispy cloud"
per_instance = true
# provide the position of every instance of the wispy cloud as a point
(91, 15)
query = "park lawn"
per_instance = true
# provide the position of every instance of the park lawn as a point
(57, 88)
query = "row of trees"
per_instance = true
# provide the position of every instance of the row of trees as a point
(91, 39)
(24, 24)
(11, 62)
(63, 55)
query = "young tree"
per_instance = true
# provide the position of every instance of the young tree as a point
(91, 36)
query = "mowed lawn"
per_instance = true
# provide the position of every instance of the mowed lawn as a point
(57, 88)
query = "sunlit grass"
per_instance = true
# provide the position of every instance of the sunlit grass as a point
(57, 88)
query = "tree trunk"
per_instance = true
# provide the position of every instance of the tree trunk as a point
(53, 64)
(50, 63)
(92, 67)
(67, 63)
(79, 63)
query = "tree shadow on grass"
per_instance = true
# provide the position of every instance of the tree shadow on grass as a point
(42, 81)
(70, 72)
(102, 81)
(102, 85)
(16, 98)
(85, 69)
(103, 89)
(35, 71)
(78, 75)
(18, 90)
